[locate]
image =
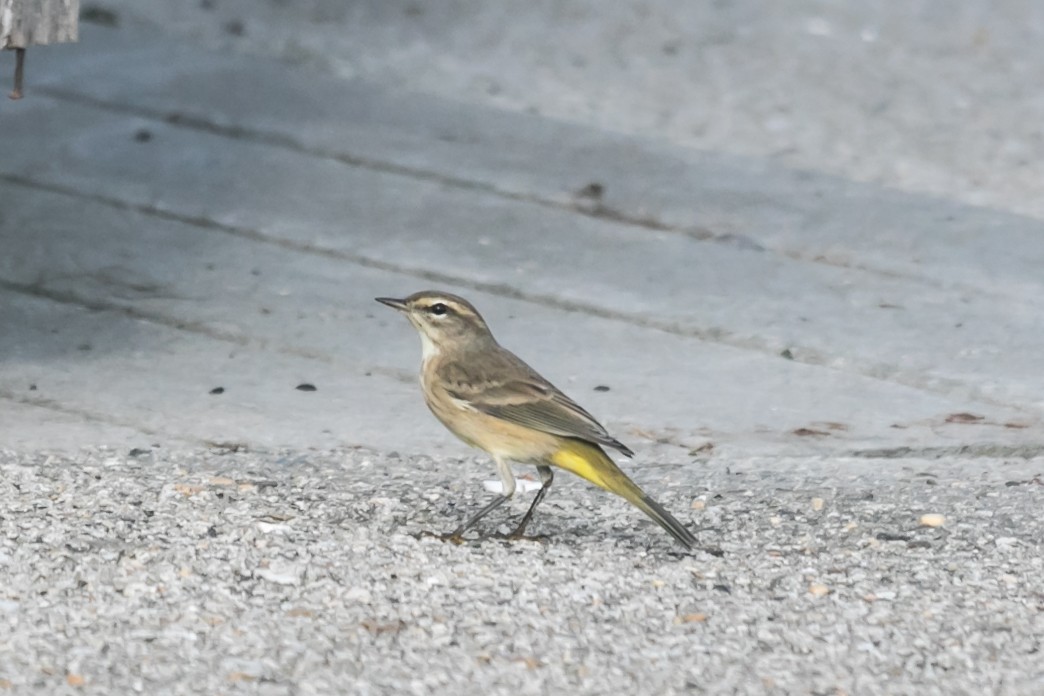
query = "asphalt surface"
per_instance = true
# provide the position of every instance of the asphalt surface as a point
(201, 572)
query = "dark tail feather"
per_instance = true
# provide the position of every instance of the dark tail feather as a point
(665, 519)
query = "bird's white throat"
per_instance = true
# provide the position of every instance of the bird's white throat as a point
(428, 348)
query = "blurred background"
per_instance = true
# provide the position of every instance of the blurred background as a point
(746, 227)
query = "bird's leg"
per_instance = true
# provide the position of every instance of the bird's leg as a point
(547, 476)
(457, 535)
(507, 479)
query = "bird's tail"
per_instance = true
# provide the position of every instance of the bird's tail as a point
(589, 461)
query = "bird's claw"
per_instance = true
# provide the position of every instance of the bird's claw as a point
(453, 537)
(521, 536)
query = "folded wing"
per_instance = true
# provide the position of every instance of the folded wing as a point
(532, 402)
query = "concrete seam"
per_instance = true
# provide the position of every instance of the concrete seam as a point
(799, 354)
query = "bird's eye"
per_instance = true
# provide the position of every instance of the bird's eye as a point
(438, 309)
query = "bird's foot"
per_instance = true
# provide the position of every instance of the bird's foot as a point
(454, 537)
(521, 536)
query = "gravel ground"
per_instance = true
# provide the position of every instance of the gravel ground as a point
(203, 572)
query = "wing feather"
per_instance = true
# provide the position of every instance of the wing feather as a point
(525, 398)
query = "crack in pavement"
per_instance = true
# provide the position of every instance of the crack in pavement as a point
(985, 450)
(94, 416)
(194, 327)
(804, 355)
(578, 204)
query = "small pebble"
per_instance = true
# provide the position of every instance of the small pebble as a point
(693, 618)
(818, 590)
(932, 520)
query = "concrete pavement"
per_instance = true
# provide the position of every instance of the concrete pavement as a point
(216, 214)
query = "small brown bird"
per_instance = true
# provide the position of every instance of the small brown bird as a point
(492, 400)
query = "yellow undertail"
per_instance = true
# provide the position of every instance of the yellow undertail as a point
(589, 461)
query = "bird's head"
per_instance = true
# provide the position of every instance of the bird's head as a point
(446, 322)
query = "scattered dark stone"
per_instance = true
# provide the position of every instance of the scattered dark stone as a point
(705, 448)
(593, 191)
(601, 388)
(103, 17)
(142, 135)
(235, 27)
(786, 353)
(1036, 480)
(228, 447)
(919, 544)
(964, 418)
(32, 387)
(891, 536)
(723, 588)
(809, 432)
(212, 532)
(137, 452)
(700, 234)
(305, 387)
(217, 390)
(84, 347)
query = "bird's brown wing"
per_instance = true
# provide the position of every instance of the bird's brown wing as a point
(525, 398)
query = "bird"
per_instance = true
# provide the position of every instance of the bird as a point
(492, 400)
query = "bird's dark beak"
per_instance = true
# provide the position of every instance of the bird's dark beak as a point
(393, 303)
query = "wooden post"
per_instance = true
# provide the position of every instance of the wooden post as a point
(27, 22)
